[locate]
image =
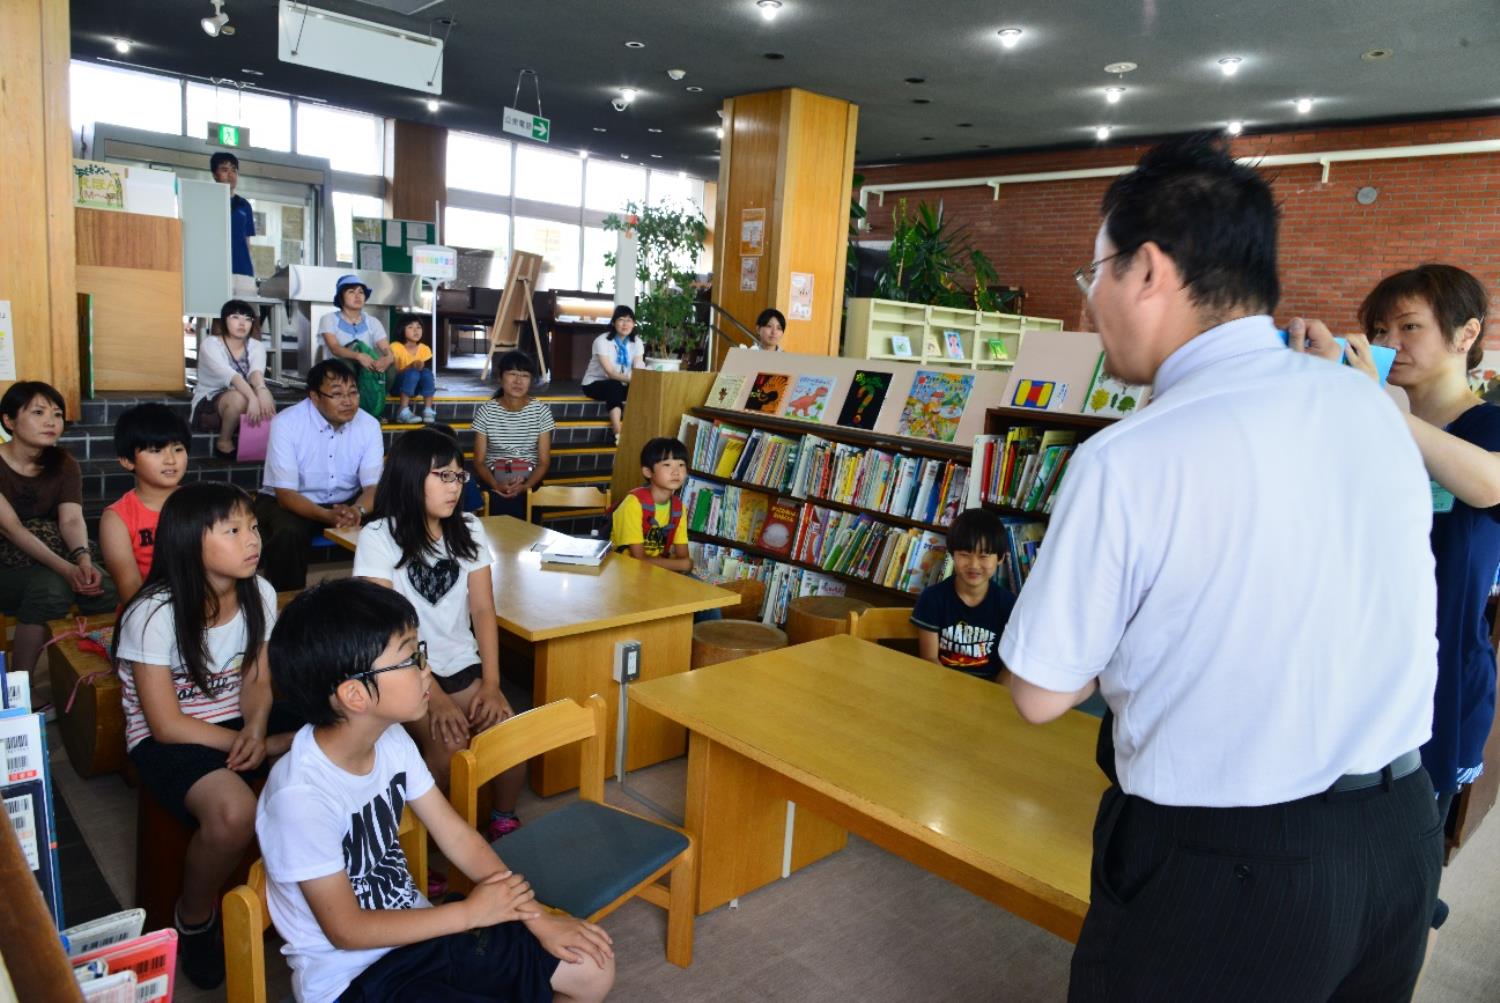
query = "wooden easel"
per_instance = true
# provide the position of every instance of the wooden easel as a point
(516, 308)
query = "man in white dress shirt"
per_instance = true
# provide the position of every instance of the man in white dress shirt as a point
(1242, 570)
(323, 463)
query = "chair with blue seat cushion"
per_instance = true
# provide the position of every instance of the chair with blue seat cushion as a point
(586, 858)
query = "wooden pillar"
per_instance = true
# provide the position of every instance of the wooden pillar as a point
(787, 158)
(416, 158)
(36, 202)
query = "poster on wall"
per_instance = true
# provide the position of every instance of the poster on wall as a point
(749, 275)
(98, 186)
(752, 232)
(802, 296)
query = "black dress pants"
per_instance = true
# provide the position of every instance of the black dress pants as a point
(1329, 897)
(285, 543)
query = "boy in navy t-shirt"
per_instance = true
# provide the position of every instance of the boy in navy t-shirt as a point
(960, 619)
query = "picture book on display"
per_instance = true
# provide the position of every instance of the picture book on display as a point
(725, 391)
(768, 394)
(935, 405)
(1112, 397)
(997, 350)
(780, 524)
(900, 346)
(809, 398)
(865, 398)
(953, 343)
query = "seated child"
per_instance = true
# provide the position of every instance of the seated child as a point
(340, 893)
(661, 537)
(151, 441)
(960, 619)
(414, 375)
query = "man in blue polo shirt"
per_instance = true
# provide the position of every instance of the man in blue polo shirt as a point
(226, 171)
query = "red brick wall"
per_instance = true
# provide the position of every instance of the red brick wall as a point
(1333, 250)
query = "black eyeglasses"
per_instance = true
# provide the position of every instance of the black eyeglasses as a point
(1085, 275)
(419, 660)
(343, 395)
(451, 476)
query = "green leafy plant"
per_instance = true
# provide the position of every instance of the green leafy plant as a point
(857, 214)
(935, 263)
(669, 239)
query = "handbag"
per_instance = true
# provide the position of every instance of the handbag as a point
(48, 531)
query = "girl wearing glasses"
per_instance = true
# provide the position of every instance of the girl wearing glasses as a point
(190, 649)
(425, 547)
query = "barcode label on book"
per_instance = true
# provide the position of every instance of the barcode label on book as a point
(151, 989)
(19, 761)
(22, 814)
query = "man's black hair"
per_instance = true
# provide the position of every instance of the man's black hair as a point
(1215, 218)
(978, 531)
(222, 157)
(330, 633)
(150, 426)
(663, 448)
(338, 369)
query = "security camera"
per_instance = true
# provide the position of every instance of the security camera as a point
(620, 104)
(676, 74)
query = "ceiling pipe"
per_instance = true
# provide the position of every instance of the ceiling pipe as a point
(1324, 160)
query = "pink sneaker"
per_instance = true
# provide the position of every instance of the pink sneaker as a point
(437, 885)
(501, 825)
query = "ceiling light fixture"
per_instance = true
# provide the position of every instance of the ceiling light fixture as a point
(122, 46)
(676, 74)
(1304, 105)
(1009, 37)
(1113, 94)
(656, 156)
(1235, 128)
(1101, 133)
(649, 129)
(583, 154)
(719, 132)
(628, 94)
(1122, 67)
(693, 89)
(217, 25)
(433, 104)
(635, 45)
(1230, 65)
(600, 128)
(251, 73)
(769, 8)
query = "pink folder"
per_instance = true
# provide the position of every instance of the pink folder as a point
(253, 440)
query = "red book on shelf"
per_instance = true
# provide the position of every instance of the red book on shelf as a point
(779, 528)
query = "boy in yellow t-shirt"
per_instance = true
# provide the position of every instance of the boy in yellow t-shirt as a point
(662, 539)
(413, 373)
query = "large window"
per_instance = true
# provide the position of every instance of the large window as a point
(609, 186)
(675, 188)
(478, 163)
(345, 207)
(350, 140)
(598, 242)
(545, 176)
(557, 243)
(486, 231)
(269, 119)
(121, 97)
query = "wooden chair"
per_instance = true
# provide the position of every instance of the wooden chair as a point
(586, 858)
(883, 623)
(246, 917)
(566, 496)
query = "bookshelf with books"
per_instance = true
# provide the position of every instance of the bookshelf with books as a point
(865, 510)
(914, 332)
(1020, 461)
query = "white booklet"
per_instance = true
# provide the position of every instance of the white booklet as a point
(572, 550)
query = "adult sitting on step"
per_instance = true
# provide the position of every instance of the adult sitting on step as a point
(322, 464)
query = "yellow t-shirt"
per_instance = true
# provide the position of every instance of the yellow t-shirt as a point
(627, 528)
(406, 358)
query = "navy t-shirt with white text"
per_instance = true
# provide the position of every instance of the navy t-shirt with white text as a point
(968, 636)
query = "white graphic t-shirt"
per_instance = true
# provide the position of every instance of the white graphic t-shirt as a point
(437, 587)
(148, 636)
(315, 819)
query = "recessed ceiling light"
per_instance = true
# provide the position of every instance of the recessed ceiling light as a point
(1230, 65)
(719, 132)
(433, 104)
(916, 80)
(583, 154)
(775, 55)
(628, 94)
(251, 73)
(652, 130)
(1235, 128)
(1009, 37)
(122, 46)
(600, 128)
(656, 156)
(1122, 67)
(635, 45)
(769, 8)
(921, 101)
(1113, 94)
(1101, 133)
(624, 156)
(1304, 105)
(682, 175)
(1375, 55)
(694, 89)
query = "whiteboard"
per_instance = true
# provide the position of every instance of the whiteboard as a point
(205, 247)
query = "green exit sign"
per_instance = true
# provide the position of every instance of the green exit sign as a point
(221, 134)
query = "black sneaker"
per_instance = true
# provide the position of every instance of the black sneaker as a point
(201, 953)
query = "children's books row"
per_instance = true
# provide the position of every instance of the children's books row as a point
(784, 582)
(932, 408)
(1023, 468)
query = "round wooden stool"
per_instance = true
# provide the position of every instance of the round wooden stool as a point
(811, 617)
(716, 641)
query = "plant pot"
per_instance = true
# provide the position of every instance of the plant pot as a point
(663, 365)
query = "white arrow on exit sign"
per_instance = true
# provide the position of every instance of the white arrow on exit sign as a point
(523, 123)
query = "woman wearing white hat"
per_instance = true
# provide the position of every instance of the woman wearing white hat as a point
(350, 334)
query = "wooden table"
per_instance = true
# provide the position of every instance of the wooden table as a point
(572, 618)
(930, 764)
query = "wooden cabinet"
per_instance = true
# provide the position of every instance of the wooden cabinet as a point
(872, 325)
(131, 266)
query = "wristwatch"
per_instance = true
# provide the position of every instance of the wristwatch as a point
(362, 513)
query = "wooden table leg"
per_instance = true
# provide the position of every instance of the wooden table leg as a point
(579, 666)
(738, 811)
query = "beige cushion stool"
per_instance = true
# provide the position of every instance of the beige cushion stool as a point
(811, 617)
(716, 641)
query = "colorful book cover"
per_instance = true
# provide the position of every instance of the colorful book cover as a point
(725, 391)
(780, 525)
(930, 347)
(1113, 397)
(153, 958)
(935, 405)
(752, 511)
(997, 350)
(865, 399)
(810, 397)
(953, 342)
(901, 346)
(768, 393)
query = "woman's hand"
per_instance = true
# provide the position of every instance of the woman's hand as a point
(382, 364)
(488, 709)
(85, 579)
(1360, 357)
(364, 360)
(1312, 337)
(447, 721)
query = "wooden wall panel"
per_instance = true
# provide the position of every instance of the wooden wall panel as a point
(656, 405)
(415, 169)
(131, 265)
(128, 240)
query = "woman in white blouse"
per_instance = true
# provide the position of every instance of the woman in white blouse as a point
(231, 379)
(616, 354)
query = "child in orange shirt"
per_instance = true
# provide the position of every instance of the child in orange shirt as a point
(152, 442)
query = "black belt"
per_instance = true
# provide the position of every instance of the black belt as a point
(1403, 765)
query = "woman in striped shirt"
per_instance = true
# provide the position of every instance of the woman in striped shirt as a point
(512, 437)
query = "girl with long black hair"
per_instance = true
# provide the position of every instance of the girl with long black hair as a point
(190, 648)
(616, 354)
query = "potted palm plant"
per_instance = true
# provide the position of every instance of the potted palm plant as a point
(669, 239)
